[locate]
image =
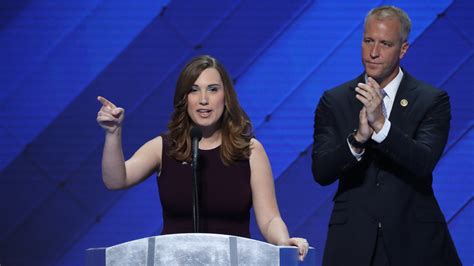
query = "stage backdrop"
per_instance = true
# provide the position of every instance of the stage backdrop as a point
(56, 57)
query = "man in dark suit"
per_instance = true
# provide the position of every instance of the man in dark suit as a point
(381, 135)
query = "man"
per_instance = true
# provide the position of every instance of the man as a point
(381, 135)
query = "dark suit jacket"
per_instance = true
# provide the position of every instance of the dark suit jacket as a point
(391, 185)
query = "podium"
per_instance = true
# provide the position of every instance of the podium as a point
(196, 249)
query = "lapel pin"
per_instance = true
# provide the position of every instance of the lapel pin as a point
(404, 102)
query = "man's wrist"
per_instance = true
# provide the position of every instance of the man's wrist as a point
(378, 125)
(356, 140)
(359, 137)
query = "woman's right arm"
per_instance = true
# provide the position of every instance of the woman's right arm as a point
(116, 172)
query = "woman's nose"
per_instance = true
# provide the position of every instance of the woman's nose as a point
(203, 99)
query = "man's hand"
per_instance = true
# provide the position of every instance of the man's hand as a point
(364, 131)
(372, 99)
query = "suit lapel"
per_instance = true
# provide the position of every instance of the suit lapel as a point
(404, 99)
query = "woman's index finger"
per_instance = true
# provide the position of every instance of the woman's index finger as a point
(106, 102)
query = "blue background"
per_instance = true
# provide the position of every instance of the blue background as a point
(57, 56)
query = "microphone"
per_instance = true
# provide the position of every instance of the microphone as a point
(196, 136)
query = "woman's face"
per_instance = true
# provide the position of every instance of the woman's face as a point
(206, 100)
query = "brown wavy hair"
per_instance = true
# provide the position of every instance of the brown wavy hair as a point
(236, 129)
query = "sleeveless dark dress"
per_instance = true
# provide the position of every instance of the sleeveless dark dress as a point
(225, 194)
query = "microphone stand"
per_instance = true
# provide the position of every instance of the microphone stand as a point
(196, 135)
(195, 187)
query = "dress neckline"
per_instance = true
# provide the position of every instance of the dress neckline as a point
(216, 148)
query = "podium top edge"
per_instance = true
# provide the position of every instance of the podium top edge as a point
(195, 236)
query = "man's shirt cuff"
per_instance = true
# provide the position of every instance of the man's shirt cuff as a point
(358, 156)
(379, 137)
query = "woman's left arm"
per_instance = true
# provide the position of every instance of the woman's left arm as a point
(268, 217)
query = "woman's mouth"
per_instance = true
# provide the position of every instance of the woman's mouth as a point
(204, 112)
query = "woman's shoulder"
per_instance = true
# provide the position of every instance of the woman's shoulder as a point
(155, 143)
(163, 138)
(256, 147)
(255, 143)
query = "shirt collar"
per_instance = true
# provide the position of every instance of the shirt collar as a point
(392, 87)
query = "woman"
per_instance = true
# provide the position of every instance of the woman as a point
(234, 168)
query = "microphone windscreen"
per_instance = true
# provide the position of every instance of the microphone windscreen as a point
(196, 133)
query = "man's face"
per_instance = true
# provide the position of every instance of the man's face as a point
(382, 49)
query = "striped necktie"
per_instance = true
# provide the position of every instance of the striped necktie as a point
(384, 110)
